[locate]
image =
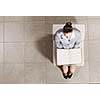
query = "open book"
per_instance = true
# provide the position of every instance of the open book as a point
(69, 56)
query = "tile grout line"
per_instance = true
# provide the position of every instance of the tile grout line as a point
(3, 51)
(46, 58)
(22, 41)
(88, 50)
(24, 47)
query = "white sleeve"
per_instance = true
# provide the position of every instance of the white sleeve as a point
(58, 42)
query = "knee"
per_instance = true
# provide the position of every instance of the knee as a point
(72, 69)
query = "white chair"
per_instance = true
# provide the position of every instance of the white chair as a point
(56, 27)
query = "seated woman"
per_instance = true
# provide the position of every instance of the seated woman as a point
(68, 38)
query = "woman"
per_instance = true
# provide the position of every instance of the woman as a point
(68, 38)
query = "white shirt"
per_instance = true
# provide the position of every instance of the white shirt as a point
(72, 42)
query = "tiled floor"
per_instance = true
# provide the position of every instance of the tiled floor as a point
(26, 50)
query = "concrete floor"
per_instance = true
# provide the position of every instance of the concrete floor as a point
(26, 50)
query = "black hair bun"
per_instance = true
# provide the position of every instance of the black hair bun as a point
(69, 24)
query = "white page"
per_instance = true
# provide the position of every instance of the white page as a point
(62, 56)
(69, 56)
(75, 56)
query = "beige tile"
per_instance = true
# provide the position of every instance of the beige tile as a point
(14, 52)
(94, 28)
(14, 18)
(1, 74)
(34, 31)
(93, 17)
(94, 49)
(1, 18)
(14, 73)
(14, 32)
(1, 32)
(56, 21)
(35, 52)
(49, 49)
(49, 28)
(55, 18)
(35, 73)
(94, 71)
(1, 52)
(34, 18)
(77, 17)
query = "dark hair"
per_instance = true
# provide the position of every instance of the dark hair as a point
(68, 27)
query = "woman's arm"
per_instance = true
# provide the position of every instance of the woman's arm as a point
(78, 42)
(58, 42)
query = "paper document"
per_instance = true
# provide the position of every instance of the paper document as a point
(69, 56)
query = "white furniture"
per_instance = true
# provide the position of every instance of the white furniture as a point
(60, 53)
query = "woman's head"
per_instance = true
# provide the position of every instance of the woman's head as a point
(68, 27)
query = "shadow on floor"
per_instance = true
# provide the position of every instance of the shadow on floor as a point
(45, 47)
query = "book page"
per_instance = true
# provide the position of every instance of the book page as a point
(75, 56)
(62, 56)
(69, 56)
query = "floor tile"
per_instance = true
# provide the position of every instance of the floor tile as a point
(93, 17)
(55, 18)
(35, 73)
(1, 74)
(14, 73)
(49, 49)
(51, 22)
(94, 49)
(35, 52)
(77, 17)
(14, 18)
(94, 71)
(14, 32)
(1, 53)
(1, 18)
(34, 18)
(14, 52)
(49, 28)
(94, 28)
(1, 32)
(34, 31)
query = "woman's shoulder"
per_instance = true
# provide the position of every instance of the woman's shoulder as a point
(59, 32)
(77, 31)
